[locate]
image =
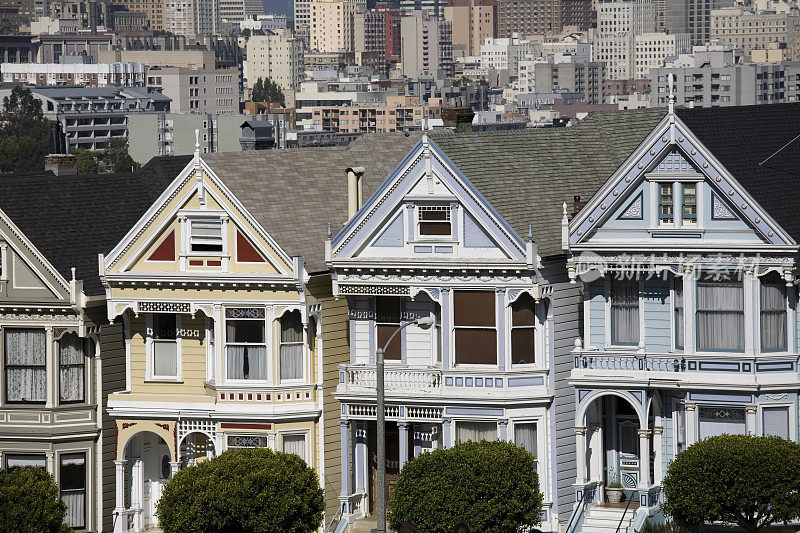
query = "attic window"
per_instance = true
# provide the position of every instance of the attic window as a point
(206, 235)
(434, 220)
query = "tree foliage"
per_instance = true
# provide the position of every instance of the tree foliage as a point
(252, 490)
(267, 91)
(749, 481)
(29, 502)
(491, 487)
(24, 133)
(116, 156)
(87, 162)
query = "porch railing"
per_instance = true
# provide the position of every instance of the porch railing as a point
(588, 494)
(628, 361)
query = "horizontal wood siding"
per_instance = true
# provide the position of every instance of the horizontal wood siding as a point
(597, 312)
(657, 311)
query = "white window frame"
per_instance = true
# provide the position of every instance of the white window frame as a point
(267, 341)
(787, 314)
(538, 336)
(306, 433)
(150, 350)
(303, 343)
(542, 463)
(608, 331)
(185, 218)
(494, 421)
(674, 281)
(780, 405)
(499, 336)
(443, 206)
(195, 220)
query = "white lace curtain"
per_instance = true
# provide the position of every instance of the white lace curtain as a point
(525, 437)
(295, 444)
(71, 359)
(165, 360)
(773, 315)
(720, 316)
(26, 371)
(625, 312)
(247, 362)
(73, 488)
(291, 346)
(476, 431)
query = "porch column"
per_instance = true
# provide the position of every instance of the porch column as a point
(751, 419)
(137, 492)
(580, 449)
(402, 435)
(119, 500)
(658, 461)
(361, 457)
(174, 466)
(502, 430)
(447, 441)
(344, 439)
(691, 424)
(644, 458)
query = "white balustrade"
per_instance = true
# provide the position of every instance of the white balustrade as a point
(395, 378)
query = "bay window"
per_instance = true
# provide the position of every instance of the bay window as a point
(21, 460)
(72, 354)
(476, 431)
(624, 312)
(291, 346)
(245, 344)
(525, 436)
(165, 345)
(720, 315)
(523, 330)
(773, 313)
(475, 327)
(72, 478)
(387, 320)
(26, 370)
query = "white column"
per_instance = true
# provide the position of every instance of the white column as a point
(502, 430)
(51, 367)
(361, 458)
(751, 419)
(51, 467)
(644, 458)
(691, 424)
(344, 442)
(596, 443)
(688, 309)
(447, 430)
(119, 501)
(580, 450)
(658, 461)
(174, 466)
(402, 435)
(219, 346)
(750, 309)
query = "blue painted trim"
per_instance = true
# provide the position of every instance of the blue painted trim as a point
(719, 366)
(448, 381)
(454, 222)
(479, 382)
(410, 230)
(474, 411)
(711, 397)
(498, 382)
(528, 381)
(459, 382)
(489, 382)
(382, 187)
(441, 249)
(468, 382)
(423, 249)
(775, 366)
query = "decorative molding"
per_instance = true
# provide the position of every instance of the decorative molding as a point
(720, 211)
(780, 396)
(634, 210)
(163, 307)
(381, 290)
(245, 312)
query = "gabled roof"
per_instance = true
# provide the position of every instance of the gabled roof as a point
(295, 193)
(70, 219)
(759, 146)
(527, 175)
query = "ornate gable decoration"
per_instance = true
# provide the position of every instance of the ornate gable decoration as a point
(673, 148)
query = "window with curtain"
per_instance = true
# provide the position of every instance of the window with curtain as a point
(72, 354)
(72, 477)
(475, 327)
(25, 459)
(773, 313)
(720, 315)
(523, 330)
(525, 436)
(295, 444)
(775, 421)
(387, 320)
(165, 345)
(678, 305)
(716, 421)
(624, 311)
(245, 344)
(291, 346)
(476, 431)
(26, 371)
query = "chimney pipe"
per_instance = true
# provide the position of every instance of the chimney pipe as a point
(355, 196)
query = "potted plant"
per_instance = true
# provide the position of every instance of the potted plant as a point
(614, 488)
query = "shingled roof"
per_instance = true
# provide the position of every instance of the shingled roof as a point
(70, 219)
(760, 146)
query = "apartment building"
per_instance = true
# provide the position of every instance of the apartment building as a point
(526, 17)
(153, 8)
(239, 10)
(750, 31)
(618, 24)
(651, 49)
(192, 18)
(433, 8)
(504, 53)
(400, 113)
(688, 16)
(277, 55)
(197, 90)
(426, 46)
(473, 22)
(370, 34)
(541, 76)
(332, 25)
(87, 74)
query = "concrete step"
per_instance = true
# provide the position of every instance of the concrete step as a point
(365, 525)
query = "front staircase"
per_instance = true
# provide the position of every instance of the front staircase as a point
(600, 519)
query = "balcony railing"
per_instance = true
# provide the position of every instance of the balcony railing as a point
(630, 362)
(405, 379)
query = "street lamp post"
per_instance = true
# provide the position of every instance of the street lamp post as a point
(424, 323)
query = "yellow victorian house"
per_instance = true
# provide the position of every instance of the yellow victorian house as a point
(219, 341)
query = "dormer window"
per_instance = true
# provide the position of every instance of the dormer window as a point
(434, 220)
(205, 235)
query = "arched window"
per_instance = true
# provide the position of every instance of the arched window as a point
(523, 330)
(291, 346)
(773, 312)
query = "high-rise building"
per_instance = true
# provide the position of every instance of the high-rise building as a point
(239, 10)
(749, 30)
(370, 35)
(433, 8)
(688, 16)
(577, 13)
(332, 24)
(15, 15)
(542, 76)
(427, 46)
(197, 90)
(618, 24)
(473, 22)
(153, 8)
(192, 18)
(302, 20)
(650, 50)
(277, 55)
(527, 17)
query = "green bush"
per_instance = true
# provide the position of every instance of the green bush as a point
(29, 501)
(491, 487)
(664, 527)
(245, 491)
(740, 479)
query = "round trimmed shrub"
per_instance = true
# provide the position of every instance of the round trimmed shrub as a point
(251, 490)
(490, 487)
(30, 502)
(740, 479)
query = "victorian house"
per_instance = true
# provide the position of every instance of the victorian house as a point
(685, 257)
(57, 347)
(467, 230)
(229, 323)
